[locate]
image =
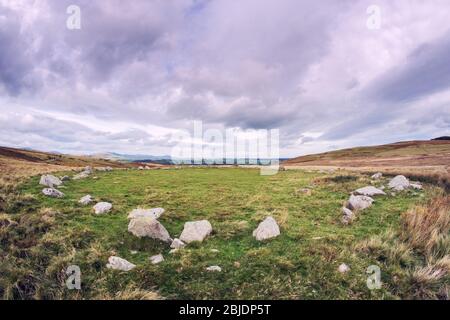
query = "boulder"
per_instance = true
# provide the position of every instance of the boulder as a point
(196, 231)
(50, 181)
(86, 200)
(399, 183)
(347, 215)
(82, 175)
(359, 202)
(142, 213)
(117, 263)
(377, 176)
(177, 244)
(267, 229)
(102, 207)
(214, 269)
(148, 227)
(370, 191)
(157, 259)
(53, 193)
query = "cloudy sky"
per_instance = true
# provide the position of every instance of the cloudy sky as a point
(325, 73)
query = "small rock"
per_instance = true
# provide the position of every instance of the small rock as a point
(214, 269)
(102, 207)
(117, 263)
(416, 186)
(133, 252)
(347, 215)
(214, 250)
(157, 259)
(141, 213)
(82, 175)
(89, 170)
(86, 200)
(377, 176)
(237, 264)
(196, 231)
(399, 183)
(343, 268)
(53, 193)
(370, 191)
(148, 227)
(65, 178)
(359, 202)
(50, 181)
(177, 244)
(267, 229)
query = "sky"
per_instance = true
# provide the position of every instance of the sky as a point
(327, 74)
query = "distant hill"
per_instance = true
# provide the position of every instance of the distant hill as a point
(442, 138)
(409, 153)
(39, 157)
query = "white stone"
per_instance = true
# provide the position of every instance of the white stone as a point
(377, 176)
(117, 263)
(177, 244)
(347, 215)
(214, 250)
(82, 175)
(148, 227)
(102, 207)
(50, 181)
(53, 193)
(149, 213)
(86, 200)
(343, 268)
(214, 269)
(196, 231)
(370, 191)
(399, 183)
(157, 259)
(359, 202)
(267, 229)
(416, 186)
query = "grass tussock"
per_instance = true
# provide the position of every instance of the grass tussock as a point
(417, 257)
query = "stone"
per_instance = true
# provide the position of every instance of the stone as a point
(214, 251)
(196, 231)
(141, 213)
(102, 207)
(347, 215)
(214, 269)
(157, 259)
(89, 170)
(177, 244)
(53, 193)
(120, 264)
(377, 176)
(370, 191)
(399, 183)
(82, 175)
(86, 200)
(267, 229)
(50, 181)
(65, 178)
(343, 268)
(416, 186)
(148, 227)
(359, 202)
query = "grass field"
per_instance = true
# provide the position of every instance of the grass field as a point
(41, 237)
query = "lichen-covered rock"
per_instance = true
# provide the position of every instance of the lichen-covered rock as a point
(117, 263)
(370, 191)
(399, 183)
(150, 213)
(196, 231)
(148, 227)
(53, 193)
(356, 203)
(267, 229)
(50, 181)
(347, 216)
(86, 200)
(102, 207)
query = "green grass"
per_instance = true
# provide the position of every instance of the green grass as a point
(299, 264)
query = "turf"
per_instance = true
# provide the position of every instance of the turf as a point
(299, 264)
